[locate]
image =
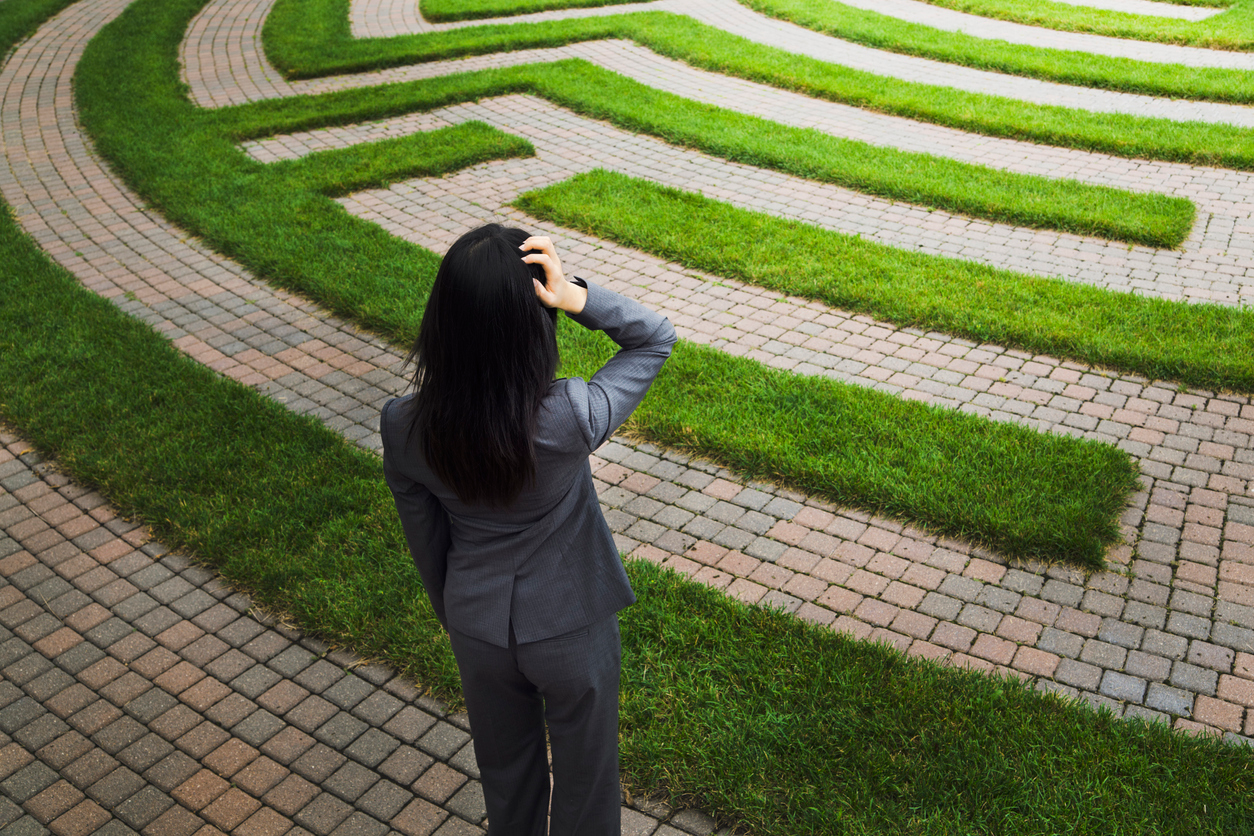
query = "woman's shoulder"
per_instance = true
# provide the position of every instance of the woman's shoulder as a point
(563, 417)
(394, 418)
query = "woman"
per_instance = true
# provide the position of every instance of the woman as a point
(488, 463)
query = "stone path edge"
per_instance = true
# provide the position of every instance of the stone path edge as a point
(323, 352)
(139, 693)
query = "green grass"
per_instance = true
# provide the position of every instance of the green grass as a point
(1144, 218)
(749, 714)
(311, 38)
(1063, 66)
(947, 471)
(1232, 29)
(1210, 346)
(764, 721)
(446, 10)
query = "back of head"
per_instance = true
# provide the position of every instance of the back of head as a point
(485, 355)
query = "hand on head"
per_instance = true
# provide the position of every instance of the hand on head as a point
(556, 292)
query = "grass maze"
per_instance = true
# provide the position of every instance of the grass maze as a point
(280, 221)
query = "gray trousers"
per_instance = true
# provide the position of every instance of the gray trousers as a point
(570, 684)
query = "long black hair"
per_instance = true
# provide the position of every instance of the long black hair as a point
(485, 355)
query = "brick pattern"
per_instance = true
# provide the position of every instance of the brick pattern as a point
(141, 694)
(1215, 264)
(1172, 624)
(381, 18)
(921, 12)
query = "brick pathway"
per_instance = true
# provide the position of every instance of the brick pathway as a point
(390, 17)
(1148, 7)
(921, 12)
(1171, 636)
(141, 694)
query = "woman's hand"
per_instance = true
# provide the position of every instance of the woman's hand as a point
(556, 292)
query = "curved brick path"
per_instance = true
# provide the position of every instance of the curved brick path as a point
(948, 20)
(1215, 264)
(1173, 637)
(1153, 8)
(140, 693)
(732, 17)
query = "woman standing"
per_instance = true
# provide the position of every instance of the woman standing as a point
(488, 463)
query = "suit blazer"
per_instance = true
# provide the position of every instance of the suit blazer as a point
(546, 564)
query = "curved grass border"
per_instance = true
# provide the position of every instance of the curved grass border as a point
(857, 738)
(902, 36)
(1085, 69)
(1210, 346)
(1232, 29)
(944, 470)
(923, 180)
(766, 722)
(442, 11)
(311, 39)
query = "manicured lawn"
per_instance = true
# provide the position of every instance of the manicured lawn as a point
(311, 38)
(1232, 29)
(762, 720)
(944, 470)
(1210, 346)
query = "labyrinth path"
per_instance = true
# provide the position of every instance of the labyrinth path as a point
(1166, 633)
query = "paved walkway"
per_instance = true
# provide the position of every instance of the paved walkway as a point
(1215, 264)
(141, 694)
(381, 18)
(1148, 7)
(948, 20)
(1169, 634)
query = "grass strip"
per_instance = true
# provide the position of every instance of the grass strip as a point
(279, 504)
(1210, 346)
(311, 38)
(1075, 67)
(752, 715)
(401, 158)
(934, 182)
(1232, 29)
(440, 11)
(269, 219)
(760, 719)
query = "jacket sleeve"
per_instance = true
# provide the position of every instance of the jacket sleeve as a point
(645, 339)
(423, 519)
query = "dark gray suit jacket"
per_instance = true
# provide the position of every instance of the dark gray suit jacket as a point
(547, 563)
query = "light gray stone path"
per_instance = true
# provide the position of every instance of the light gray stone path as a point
(732, 17)
(1150, 8)
(567, 144)
(235, 26)
(1179, 594)
(948, 20)
(140, 693)
(1216, 264)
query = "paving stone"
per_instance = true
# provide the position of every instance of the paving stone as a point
(443, 741)
(1189, 622)
(1121, 686)
(322, 815)
(468, 803)
(1193, 678)
(372, 747)
(1169, 700)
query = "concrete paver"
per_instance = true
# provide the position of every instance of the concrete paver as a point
(948, 20)
(1167, 634)
(139, 693)
(380, 18)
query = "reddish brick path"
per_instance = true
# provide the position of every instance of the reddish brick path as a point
(1170, 635)
(141, 694)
